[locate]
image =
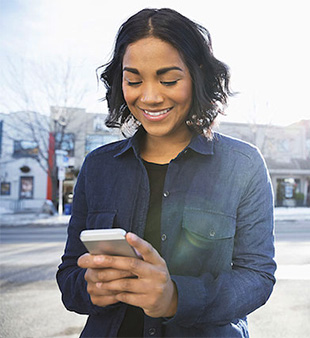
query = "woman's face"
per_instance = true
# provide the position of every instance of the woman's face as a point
(157, 87)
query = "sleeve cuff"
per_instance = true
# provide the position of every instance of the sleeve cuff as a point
(192, 300)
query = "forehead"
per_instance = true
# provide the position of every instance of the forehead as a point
(152, 52)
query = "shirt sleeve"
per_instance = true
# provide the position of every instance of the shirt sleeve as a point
(70, 277)
(209, 300)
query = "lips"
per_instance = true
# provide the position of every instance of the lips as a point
(156, 115)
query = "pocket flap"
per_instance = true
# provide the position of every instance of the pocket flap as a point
(211, 225)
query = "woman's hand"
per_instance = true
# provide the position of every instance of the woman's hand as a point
(95, 273)
(152, 290)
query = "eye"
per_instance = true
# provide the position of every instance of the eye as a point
(134, 83)
(169, 83)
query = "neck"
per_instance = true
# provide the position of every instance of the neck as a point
(162, 150)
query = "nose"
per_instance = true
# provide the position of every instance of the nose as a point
(151, 95)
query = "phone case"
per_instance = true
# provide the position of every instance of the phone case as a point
(107, 242)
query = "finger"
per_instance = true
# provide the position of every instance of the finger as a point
(133, 266)
(156, 284)
(107, 275)
(139, 300)
(95, 291)
(124, 285)
(91, 276)
(148, 253)
(91, 261)
(151, 305)
(104, 301)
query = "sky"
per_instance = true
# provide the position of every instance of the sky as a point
(265, 43)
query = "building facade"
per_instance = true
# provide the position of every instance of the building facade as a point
(22, 171)
(80, 132)
(287, 154)
(29, 142)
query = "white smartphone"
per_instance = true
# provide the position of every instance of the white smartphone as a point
(107, 242)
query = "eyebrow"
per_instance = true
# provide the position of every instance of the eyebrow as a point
(131, 70)
(158, 72)
(168, 69)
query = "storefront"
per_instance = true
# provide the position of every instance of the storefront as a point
(292, 188)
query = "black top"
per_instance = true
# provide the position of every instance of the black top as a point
(157, 175)
(132, 325)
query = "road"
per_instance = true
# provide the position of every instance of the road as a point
(30, 300)
(31, 305)
(287, 313)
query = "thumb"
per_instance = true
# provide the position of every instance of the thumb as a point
(145, 249)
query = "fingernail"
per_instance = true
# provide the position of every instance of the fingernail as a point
(98, 285)
(131, 235)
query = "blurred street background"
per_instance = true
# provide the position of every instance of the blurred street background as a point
(30, 304)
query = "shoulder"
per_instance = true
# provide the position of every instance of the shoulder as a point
(242, 160)
(239, 154)
(104, 157)
(107, 150)
(240, 149)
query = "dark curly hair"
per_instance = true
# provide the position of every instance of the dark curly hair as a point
(210, 77)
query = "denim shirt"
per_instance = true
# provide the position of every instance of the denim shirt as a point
(217, 234)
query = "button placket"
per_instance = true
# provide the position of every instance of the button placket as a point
(152, 331)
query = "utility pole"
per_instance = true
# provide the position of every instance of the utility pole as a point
(62, 163)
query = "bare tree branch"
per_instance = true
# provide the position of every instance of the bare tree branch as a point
(34, 88)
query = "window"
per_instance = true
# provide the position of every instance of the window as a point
(26, 187)
(65, 142)
(5, 188)
(283, 145)
(288, 189)
(95, 141)
(99, 124)
(25, 149)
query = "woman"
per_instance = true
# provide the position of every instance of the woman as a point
(197, 205)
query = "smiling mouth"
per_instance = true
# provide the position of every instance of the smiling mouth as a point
(156, 113)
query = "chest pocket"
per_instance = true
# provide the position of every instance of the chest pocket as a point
(204, 227)
(205, 244)
(100, 220)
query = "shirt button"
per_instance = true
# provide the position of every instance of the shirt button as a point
(212, 233)
(163, 237)
(166, 193)
(152, 331)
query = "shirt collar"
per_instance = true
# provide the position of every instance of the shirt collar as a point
(199, 144)
(132, 142)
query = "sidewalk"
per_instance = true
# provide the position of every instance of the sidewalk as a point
(35, 219)
(292, 214)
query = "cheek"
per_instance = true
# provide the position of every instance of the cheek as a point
(125, 93)
(129, 95)
(184, 96)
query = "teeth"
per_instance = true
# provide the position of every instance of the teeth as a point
(158, 113)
